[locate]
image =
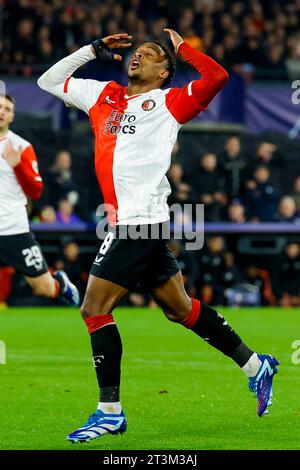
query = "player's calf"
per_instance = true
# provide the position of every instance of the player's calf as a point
(100, 300)
(54, 286)
(44, 285)
(210, 325)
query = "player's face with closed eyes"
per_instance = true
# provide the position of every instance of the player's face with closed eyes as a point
(148, 63)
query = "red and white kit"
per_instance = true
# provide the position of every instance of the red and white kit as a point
(134, 136)
(17, 183)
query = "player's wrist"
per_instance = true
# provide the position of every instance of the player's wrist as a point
(15, 165)
(178, 46)
(92, 51)
(101, 51)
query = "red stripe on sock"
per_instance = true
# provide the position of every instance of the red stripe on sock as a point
(57, 288)
(193, 316)
(98, 321)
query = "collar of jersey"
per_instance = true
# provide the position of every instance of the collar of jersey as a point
(136, 96)
(5, 137)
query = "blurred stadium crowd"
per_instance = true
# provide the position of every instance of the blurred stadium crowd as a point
(215, 274)
(234, 184)
(259, 37)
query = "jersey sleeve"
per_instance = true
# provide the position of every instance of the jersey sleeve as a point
(79, 93)
(76, 92)
(28, 175)
(187, 102)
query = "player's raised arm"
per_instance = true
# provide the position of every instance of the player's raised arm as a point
(24, 163)
(81, 93)
(185, 103)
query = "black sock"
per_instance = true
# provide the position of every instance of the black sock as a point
(213, 328)
(107, 354)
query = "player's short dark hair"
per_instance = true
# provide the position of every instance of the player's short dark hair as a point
(10, 98)
(171, 63)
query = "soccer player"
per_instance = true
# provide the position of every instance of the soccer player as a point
(135, 129)
(19, 179)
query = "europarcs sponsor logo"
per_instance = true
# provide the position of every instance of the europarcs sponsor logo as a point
(120, 123)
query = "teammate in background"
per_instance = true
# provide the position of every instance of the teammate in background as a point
(135, 129)
(19, 177)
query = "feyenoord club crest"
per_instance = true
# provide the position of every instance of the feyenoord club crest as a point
(148, 105)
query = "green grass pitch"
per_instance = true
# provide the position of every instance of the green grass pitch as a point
(177, 392)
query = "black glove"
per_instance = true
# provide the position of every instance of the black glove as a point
(102, 51)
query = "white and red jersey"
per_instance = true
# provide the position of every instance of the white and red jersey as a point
(17, 183)
(134, 135)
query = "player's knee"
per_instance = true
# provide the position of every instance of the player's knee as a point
(177, 315)
(170, 315)
(89, 309)
(98, 305)
(179, 312)
(85, 311)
